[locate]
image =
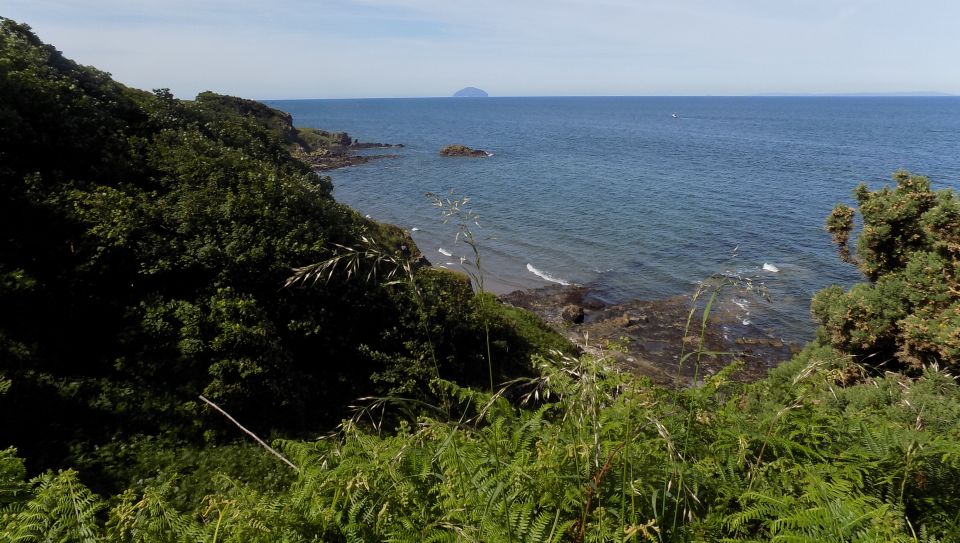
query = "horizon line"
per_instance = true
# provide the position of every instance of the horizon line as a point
(903, 94)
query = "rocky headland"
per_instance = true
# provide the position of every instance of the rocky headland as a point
(320, 149)
(649, 337)
(331, 150)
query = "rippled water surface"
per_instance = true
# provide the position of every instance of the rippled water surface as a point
(618, 195)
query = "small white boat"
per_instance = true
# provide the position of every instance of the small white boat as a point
(674, 115)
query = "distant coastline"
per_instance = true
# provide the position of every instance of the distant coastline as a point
(905, 94)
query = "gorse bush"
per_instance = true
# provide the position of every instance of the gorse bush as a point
(908, 315)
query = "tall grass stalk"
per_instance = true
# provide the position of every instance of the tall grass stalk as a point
(457, 209)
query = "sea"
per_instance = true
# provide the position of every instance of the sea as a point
(640, 197)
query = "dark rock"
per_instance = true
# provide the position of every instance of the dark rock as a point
(572, 313)
(766, 342)
(462, 150)
(323, 161)
(375, 145)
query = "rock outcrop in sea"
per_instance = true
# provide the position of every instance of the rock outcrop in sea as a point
(462, 150)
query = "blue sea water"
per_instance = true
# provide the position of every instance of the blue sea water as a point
(616, 194)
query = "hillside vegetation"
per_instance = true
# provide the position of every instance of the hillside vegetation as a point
(146, 243)
(147, 253)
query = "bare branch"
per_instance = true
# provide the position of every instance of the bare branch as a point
(249, 433)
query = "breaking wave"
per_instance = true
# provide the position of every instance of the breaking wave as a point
(544, 275)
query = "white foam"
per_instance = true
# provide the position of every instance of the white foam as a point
(545, 275)
(444, 252)
(770, 267)
(741, 303)
(414, 229)
(489, 154)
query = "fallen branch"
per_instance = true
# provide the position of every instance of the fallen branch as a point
(249, 433)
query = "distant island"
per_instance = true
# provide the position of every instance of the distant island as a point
(470, 92)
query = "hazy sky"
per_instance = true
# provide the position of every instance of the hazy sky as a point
(370, 48)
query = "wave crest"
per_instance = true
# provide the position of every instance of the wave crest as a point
(546, 276)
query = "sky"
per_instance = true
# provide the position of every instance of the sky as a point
(288, 49)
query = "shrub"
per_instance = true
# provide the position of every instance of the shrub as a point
(908, 314)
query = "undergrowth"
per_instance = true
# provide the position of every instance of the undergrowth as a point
(581, 453)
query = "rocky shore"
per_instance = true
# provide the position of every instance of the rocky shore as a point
(333, 156)
(649, 337)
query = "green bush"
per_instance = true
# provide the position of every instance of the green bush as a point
(908, 315)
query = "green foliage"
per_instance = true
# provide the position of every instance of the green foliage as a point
(184, 467)
(908, 315)
(13, 476)
(146, 243)
(59, 509)
(314, 138)
(840, 224)
(596, 456)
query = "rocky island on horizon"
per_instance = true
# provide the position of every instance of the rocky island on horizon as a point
(470, 92)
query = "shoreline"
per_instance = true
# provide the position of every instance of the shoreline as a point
(644, 336)
(648, 337)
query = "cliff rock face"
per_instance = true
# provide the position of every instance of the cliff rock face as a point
(470, 92)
